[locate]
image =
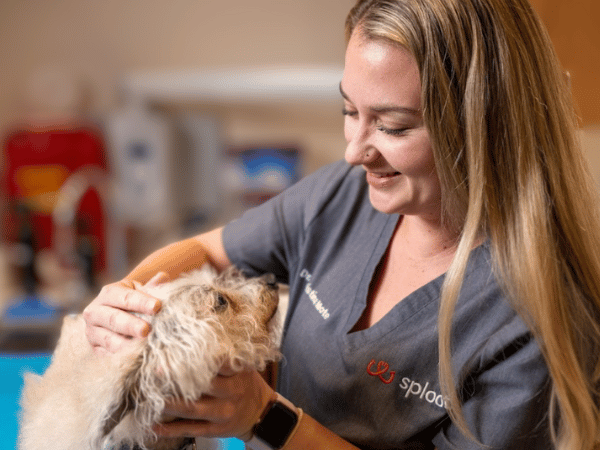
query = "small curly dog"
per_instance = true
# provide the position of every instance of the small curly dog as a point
(93, 402)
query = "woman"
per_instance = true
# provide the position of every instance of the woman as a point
(460, 234)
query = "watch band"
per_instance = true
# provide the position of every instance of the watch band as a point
(276, 426)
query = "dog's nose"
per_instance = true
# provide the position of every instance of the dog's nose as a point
(270, 280)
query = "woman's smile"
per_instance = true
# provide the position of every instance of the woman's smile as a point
(382, 179)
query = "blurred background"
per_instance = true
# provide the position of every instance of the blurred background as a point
(128, 124)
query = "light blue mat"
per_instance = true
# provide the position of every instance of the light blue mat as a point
(12, 367)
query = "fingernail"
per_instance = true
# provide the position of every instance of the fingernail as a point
(145, 330)
(157, 307)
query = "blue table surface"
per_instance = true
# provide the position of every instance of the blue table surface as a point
(12, 367)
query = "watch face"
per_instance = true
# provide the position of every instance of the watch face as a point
(277, 425)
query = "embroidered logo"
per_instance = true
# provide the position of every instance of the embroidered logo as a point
(412, 388)
(382, 368)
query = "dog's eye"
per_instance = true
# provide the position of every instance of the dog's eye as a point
(221, 303)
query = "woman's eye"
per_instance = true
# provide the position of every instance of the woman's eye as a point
(348, 112)
(392, 131)
(221, 303)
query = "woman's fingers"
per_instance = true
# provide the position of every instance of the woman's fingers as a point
(230, 409)
(109, 322)
(116, 320)
(187, 428)
(206, 409)
(208, 417)
(104, 341)
(125, 297)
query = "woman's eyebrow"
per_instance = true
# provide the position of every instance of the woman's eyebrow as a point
(382, 109)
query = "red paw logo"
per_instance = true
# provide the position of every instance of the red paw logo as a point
(381, 369)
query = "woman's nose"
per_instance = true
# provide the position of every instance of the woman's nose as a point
(360, 149)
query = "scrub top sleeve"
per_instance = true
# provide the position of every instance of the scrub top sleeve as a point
(256, 243)
(506, 404)
(269, 238)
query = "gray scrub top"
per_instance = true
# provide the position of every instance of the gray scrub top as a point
(378, 388)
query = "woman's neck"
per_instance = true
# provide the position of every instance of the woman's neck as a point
(425, 239)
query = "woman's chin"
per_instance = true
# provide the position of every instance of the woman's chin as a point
(383, 203)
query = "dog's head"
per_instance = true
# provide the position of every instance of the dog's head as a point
(228, 309)
(207, 321)
(228, 297)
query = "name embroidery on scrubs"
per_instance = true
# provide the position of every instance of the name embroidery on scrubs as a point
(416, 389)
(313, 295)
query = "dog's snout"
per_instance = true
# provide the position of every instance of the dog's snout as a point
(270, 280)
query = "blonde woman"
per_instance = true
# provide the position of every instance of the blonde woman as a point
(444, 279)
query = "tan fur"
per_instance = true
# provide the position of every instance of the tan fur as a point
(86, 401)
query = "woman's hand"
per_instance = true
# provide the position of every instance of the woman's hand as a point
(109, 322)
(233, 406)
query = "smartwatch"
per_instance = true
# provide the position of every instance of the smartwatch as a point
(276, 426)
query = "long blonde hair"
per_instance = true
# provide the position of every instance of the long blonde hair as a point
(500, 117)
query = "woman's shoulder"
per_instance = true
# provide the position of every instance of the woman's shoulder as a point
(337, 185)
(331, 176)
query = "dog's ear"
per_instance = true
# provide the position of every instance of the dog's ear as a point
(126, 402)
(269, 309)
(269, 298)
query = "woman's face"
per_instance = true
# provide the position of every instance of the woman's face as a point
(384, 128)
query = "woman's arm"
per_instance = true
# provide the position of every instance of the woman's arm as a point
(311, 435)
(183, 256)
(109, 324)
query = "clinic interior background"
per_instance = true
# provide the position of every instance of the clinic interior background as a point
(136, 74)
(127, 124)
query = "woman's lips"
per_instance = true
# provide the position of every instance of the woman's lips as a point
(381, 179)
(384, 175)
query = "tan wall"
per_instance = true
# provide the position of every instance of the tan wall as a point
(100, 41)
(573, 27)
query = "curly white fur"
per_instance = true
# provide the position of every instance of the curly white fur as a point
(86, 401)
